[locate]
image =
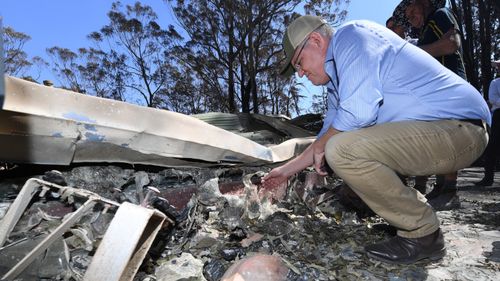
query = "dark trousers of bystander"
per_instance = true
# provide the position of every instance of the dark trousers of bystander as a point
(492, 151)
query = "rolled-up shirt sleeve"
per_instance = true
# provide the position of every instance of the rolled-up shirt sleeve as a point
(359, 53)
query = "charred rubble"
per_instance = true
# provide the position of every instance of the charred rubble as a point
(218, 216)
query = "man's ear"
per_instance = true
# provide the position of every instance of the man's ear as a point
(316, 39)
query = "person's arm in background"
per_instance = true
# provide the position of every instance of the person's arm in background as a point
(443, 26)
(448, 44)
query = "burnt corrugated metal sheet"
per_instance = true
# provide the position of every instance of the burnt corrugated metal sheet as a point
(46, 125)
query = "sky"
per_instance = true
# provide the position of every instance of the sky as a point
(66, 23)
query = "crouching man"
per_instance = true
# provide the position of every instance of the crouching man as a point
(392, 108)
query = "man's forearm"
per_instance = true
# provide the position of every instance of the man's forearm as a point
(306, 158)
(328, 134)
(299, 163)
(436, 50)
(447, 45)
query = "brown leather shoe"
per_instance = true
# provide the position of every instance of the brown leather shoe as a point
(400, 250)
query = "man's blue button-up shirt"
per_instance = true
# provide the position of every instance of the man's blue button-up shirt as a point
(377, 77)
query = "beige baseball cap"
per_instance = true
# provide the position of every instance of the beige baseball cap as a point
(295, 33)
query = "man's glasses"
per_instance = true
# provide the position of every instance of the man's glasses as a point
(296, 65)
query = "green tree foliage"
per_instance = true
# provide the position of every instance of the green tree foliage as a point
(65, 64)
(191, 96)
(102, 73)
(234, 48)
(136, 34)
(16, 60)
(90, 71)
(228, 62)
(130, 59)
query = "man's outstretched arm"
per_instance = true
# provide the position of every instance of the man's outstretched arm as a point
(313, 155)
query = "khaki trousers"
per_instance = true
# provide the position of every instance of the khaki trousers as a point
(368, 159)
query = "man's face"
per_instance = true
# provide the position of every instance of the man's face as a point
(309, 59)
(398, 29)
(415, 14)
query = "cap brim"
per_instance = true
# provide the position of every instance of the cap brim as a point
(287, 70)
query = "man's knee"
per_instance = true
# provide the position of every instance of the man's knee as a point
(340, 149)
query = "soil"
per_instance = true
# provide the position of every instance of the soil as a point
(472, 232)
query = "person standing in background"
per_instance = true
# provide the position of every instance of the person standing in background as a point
(492, 150)
(396, 26)
(436, 22)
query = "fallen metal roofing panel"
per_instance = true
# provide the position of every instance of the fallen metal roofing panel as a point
(245, 122)
(125, 244)
(263, 129)
(46, 125)
(226, 121)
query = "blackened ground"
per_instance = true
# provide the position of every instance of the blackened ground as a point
(319, 246)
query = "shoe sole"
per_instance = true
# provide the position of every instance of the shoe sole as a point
(433, 258)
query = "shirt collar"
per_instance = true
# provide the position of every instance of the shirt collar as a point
(329, 66)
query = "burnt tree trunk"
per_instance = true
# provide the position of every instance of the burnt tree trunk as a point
(230, 73)
(485, 43)
(465, 19)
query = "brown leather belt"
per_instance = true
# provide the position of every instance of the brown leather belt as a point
(477, 122)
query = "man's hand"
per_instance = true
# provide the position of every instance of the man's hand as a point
(450, 41)
(446, 45)
(318, 148)
(319, 158)
(274, 178)
(314, 154)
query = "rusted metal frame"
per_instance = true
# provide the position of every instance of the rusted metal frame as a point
(123, 247)
(17, 208)
(30, 188)
(56, 234)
